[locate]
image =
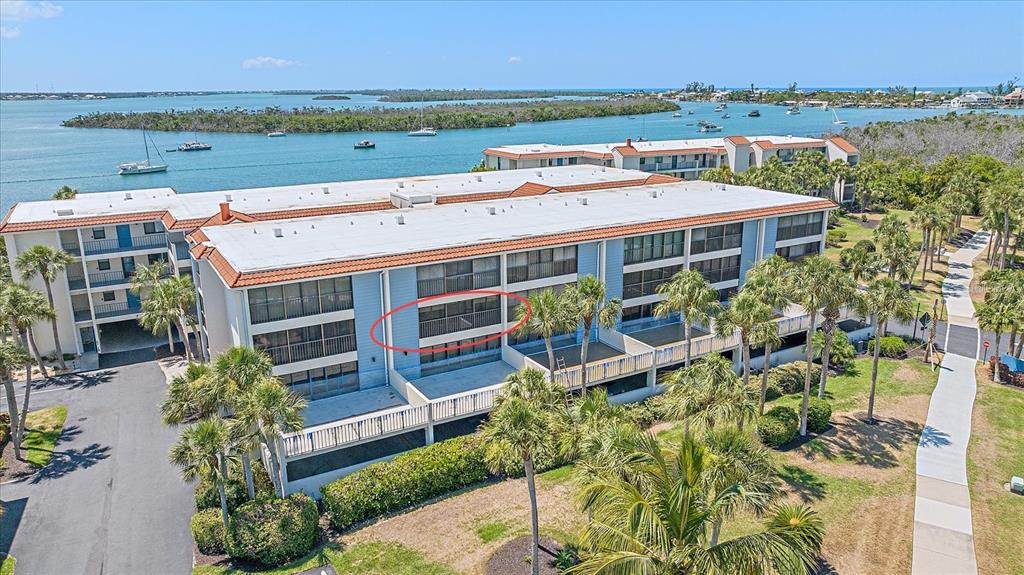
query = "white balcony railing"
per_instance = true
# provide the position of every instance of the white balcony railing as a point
(606, 369)
(676, 352)
(464, 404)
(338, 434)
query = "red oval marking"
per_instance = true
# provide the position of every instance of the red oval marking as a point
(520, 298)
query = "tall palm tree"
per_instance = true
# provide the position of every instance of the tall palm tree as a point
(46, 262)
(160, 309)
(13, 356)
(187, 397)
(895, 248)
(709, 392)
(145, 278)
(737, 459)
(884, 300)
(746, 314)
(689, 294)
(587, 302)
(204, 450)
(861, 263)
(545, 316)
(840, 172)
(808, 285)
(656, 514)
(580, 430)
(766, 280)
(23, 308)
(184, 295)
(996, 317)
(840, 290)
(520, 430)
(270, 410)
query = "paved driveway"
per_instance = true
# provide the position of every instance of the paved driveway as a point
(109, 502)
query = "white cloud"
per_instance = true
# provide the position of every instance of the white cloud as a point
(266, 62)
(514, 59)
(25, 10)
(9, 33)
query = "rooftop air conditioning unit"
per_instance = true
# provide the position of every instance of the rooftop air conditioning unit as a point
(479, 178)
(491, 210)
(278, 233)
(400, 219)
(127, 195)
(325, 190)
(227, 197)
(582, 200)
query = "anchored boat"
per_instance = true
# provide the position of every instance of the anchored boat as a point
(145, 167)
(364, 145)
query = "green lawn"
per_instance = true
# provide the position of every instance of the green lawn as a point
(7, 565)
(849, 391)
(42, 430)
(492, 530)
(370, 558)
(994, 455)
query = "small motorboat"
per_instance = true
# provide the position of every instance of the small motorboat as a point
(710, 128)
(726, 116)
(754, 114)
(364, 145)
(689, 112)
(677, 115)
(793, 110)
(276, 134)
(719, 108)
(194, 146)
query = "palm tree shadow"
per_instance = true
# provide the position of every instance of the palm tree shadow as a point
(877, 445)
(808, 486)
(932, 437)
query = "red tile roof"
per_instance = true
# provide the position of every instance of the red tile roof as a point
(235, 279)
(768, 145)
(8, 227)
(844, 145)
(547, 155)
(737, 140)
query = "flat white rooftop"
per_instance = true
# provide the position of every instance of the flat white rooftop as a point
(646, 146)
(274, 245)
(280, 198)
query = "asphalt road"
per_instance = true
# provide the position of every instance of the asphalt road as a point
(109, 502)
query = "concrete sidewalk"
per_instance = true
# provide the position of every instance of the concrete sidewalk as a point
(943, 529)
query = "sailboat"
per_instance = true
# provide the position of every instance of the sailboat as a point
(836, 120)
(195, 145)
(424, 130)
(793, 110)
(146, 167)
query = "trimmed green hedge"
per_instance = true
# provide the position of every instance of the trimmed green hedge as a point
(787, 414)
(892, 346)
(789, 377)
(835, 237)
(775, 432)
(208, 531)
(274, 531)
(5, 428)
(819, 412)
(408, 479)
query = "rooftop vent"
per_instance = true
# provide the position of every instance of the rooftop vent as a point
(127, 195)
(400, 220)
(278, 233)
(540, 174)
(479, 178)
(654, 193)
(227, 197)
(491, 210)
(325, 190)
(66, 212)
(401, 184)
(582, 200)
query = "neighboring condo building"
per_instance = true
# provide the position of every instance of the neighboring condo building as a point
(305, 272)
(685, 159)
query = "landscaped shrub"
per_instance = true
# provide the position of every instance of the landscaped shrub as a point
(842, 351)
(207, 496)
(819, 412)
(772, 391)
(274, 531)
(789, 377)
(208, 531)
(787, 414)
(835, 237)
(408, 479)
(5, 428)
(775, 432)
(649, 411)
(892, 346)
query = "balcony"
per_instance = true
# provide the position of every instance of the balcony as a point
(303, 351)
(299, 307)
(116, 309)
(455, 323)
(652, 253)
(71, 248)
(181, 250)
(437, 286)
(93, 247)
(76, 282)
(541, 270)
(465, 392)
(82, 315)
(669, 167)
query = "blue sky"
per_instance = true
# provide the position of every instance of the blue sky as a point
(123, 46)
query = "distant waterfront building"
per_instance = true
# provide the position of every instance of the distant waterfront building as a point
(972, 100)
(1014, 99)
(684, 159)
(306, 272)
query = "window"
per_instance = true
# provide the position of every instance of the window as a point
(573, 161)
(513, 307)
(719, 269)
(109, 296)
(525, 266)
(149, 228)
(103, 265)
(799, 226)
(638, 312)
(99, 234)
(459, 316)
(715, 238)
(307, 342)
(324, 381)
(458, 276)
(156, 258)
(475, 352)
(799, 251)
(646, 282)
(301, 299)
(654, 247)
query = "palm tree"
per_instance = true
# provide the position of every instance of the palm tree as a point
(840, 172)
(586, 303)
(766, 280)
(161, 309)
(13, 356)
(545, 316)
(23, 308)
(737, 459)
(861, 263)
(808, 285)
(839, 291)
(690, 294)
(187, 399)
(709, 392)
(46, 262)
(895, 248)
(145, 278)
(996, 317)
(746, 314)
(654, 517)
(270, 410)
(884, 300)
(65, 193)
(203, 451)
(520, 430)
(184, 295)
(585, 419)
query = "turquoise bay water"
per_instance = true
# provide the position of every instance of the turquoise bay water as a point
(37, 155)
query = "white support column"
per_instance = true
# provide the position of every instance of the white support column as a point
(88, 296)
(504, 300)
(386, 308)
(824, 232)
(761, 225)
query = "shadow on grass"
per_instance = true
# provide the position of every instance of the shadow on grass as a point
(852, 440)
(808, 486)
